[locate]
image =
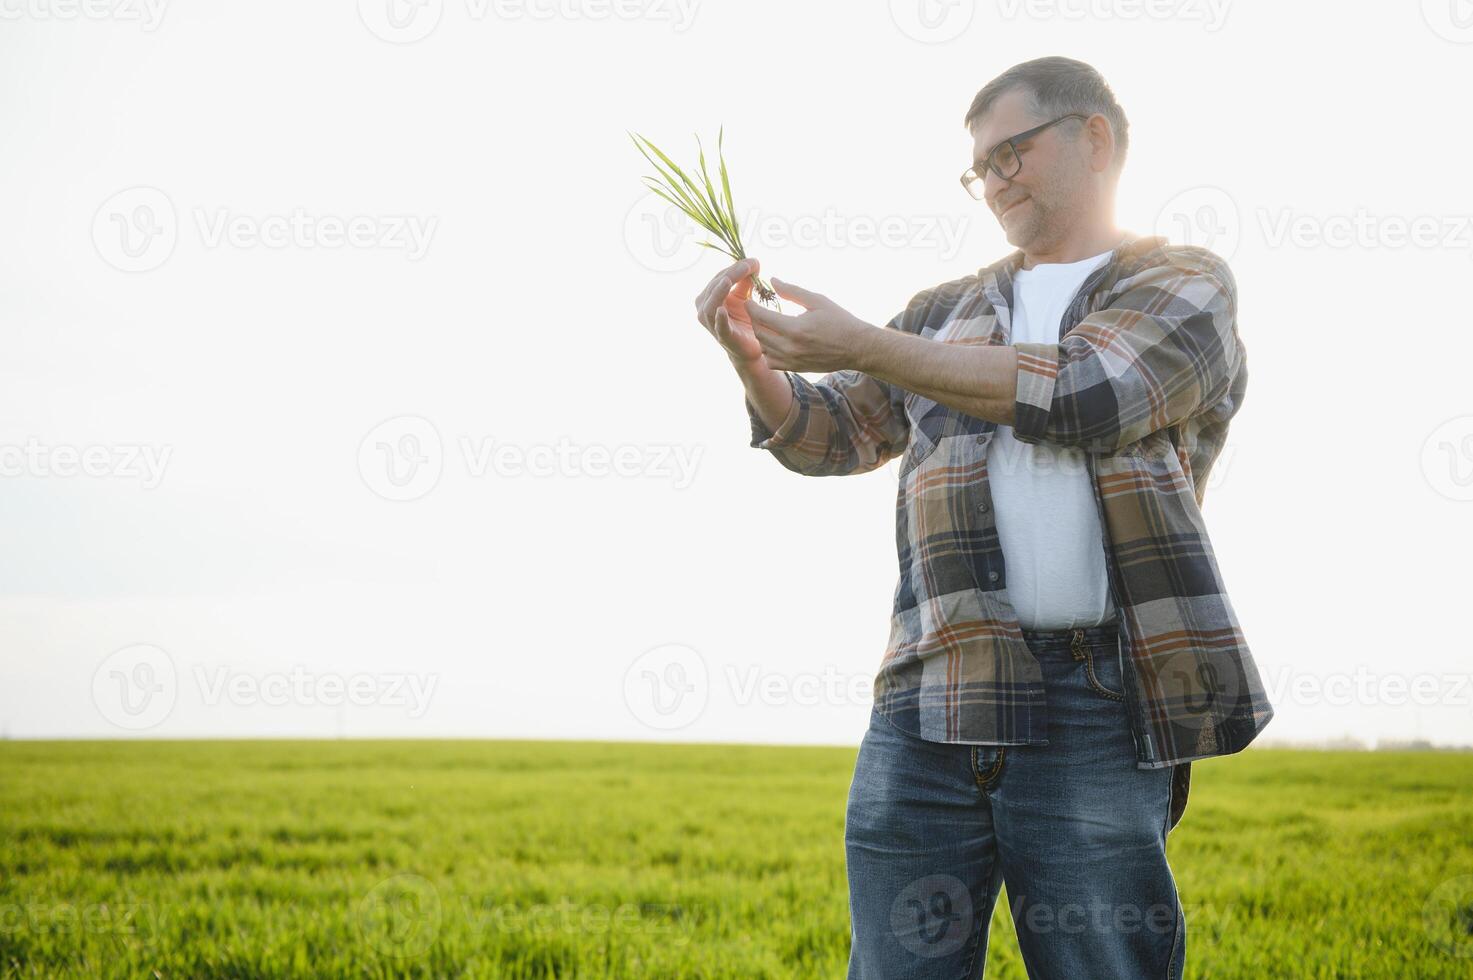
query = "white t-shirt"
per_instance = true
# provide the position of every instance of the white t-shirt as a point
(1052, 542)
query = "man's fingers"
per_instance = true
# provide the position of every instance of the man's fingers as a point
(710, 297)
(703, 300)
(804, 297)
(718, 288)
(762, 318)
(721, 283)
(742, 289)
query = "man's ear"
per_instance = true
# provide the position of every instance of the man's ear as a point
(1101, 142)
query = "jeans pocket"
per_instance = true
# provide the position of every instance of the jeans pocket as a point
(1102, 670)
(878, 719)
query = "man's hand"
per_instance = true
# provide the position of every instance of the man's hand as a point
(721, 308)
(825, 338)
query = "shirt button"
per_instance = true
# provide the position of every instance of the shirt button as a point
(982, 506)
(992, 576)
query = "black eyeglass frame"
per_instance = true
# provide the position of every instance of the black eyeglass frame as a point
(971, 174)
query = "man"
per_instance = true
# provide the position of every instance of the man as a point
(1035, 719)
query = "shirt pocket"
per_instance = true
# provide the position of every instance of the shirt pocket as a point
(935, 421)
(919, 447)
(920, 419)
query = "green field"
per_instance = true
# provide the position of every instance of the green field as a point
(604, 859)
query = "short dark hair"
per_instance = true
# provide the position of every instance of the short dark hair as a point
(1057, 86)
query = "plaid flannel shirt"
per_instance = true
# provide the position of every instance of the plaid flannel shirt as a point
(1148, 371)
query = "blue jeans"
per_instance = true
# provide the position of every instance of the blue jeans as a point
(1078, 833)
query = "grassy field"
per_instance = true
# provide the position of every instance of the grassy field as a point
(569, 859)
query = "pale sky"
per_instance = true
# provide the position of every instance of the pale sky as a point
(254, 253)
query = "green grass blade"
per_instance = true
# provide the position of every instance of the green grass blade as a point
(713, 212)
(690, 204)
(710, 190)
(673, 201)
(726, 184)
(727, 221)
(695, 191)
(720, 249)
(714, 231)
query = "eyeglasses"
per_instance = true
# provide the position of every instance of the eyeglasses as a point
(1006, 159)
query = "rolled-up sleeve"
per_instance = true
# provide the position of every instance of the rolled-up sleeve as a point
(765, 438)
(1165, 348)
(845, 422)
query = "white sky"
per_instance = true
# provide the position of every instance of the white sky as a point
(537, 306)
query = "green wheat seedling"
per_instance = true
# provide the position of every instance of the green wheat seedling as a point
(714, 212)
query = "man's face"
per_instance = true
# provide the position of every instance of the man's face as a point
(1051, 191)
